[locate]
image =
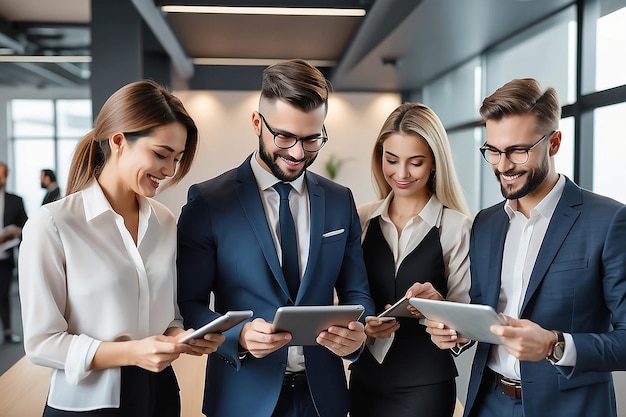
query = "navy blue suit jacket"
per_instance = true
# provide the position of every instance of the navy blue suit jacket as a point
(14, 213)
(578, 286)
(226, 247)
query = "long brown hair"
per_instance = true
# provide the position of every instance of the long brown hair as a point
(138, 107)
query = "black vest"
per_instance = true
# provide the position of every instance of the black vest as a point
(413, 358)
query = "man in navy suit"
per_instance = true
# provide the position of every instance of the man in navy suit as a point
(552, 258)
(13, 217)
(230, 245)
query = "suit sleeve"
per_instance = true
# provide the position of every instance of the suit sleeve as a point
(607, 351)
(196, 261)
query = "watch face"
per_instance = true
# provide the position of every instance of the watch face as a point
(558, 350)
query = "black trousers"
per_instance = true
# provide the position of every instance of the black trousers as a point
(434, 400)
(143, 394)
(6, 279)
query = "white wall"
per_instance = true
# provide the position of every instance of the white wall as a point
(224, 120)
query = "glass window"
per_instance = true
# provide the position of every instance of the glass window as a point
(31, 156)
(609, 149)
(44, 136)
(73, 118)
(564, 159)
(603, 60)
(467, 160)
(456, 96)
(553, 67)
(32, 118)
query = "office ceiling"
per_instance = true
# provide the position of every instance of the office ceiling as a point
(397, 46)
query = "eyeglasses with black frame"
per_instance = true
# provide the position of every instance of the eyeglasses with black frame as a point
(285, 140)
(516, 154)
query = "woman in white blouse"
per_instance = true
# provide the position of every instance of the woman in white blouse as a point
(98, 267)
(415, 242)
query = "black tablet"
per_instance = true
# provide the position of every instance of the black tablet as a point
(305, 323)
(220, 324)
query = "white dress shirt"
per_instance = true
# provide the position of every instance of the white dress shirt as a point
(521, 247)
(454, 235)
(83, 281)
(300, 210)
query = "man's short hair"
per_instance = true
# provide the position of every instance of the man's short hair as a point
(298, 83)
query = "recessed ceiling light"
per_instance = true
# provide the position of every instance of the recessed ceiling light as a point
(260, 62)
(287, 11)
(45, 58)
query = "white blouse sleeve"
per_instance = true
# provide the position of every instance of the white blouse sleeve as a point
(42, 286)
(455, 237)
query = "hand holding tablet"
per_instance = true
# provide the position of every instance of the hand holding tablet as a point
(471, 321)
(305, 323)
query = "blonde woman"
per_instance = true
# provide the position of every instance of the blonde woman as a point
(415, 242)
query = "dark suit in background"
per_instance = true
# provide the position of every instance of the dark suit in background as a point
(14, 214)
(52, 195)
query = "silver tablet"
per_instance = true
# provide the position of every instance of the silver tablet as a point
(399, 309)
(220, 324)
(472, 321)
(305, 323)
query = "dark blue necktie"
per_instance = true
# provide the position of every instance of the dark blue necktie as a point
(288, 240)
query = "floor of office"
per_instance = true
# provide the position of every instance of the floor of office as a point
(12, 352)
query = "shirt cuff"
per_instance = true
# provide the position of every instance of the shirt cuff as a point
(79, 357)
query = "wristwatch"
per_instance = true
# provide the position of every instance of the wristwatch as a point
(556, 354)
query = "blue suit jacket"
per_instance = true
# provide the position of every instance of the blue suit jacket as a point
(578, 286)
(225, 247)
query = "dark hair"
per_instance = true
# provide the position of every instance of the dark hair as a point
(138, 107)
(298, 83)
(50, 174)
(522, 96)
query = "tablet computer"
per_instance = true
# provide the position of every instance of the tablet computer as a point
(471, 321)
(305, 323)
(220, 324)
(398, 310)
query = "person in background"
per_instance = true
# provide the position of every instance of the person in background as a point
(98, 267)
(551, 258)
(49, 183)
(233, 242)
(13, 217)
(415, 242)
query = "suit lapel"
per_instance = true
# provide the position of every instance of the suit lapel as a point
(500, 226)
(562, 220)
(248, 193)
(316, 204)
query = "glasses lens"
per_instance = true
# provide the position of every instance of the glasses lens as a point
(518, 156)
(490, 155)
(285, 142)
(313, 145)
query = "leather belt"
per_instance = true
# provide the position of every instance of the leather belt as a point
(508, 386)
(294, 379)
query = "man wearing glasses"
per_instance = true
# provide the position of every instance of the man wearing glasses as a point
(552, 259)
(268, 234)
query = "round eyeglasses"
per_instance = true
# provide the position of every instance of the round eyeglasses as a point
(286, 140)
(517, 154)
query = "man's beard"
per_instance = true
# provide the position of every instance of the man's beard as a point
(269, 160)
(535, 178)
